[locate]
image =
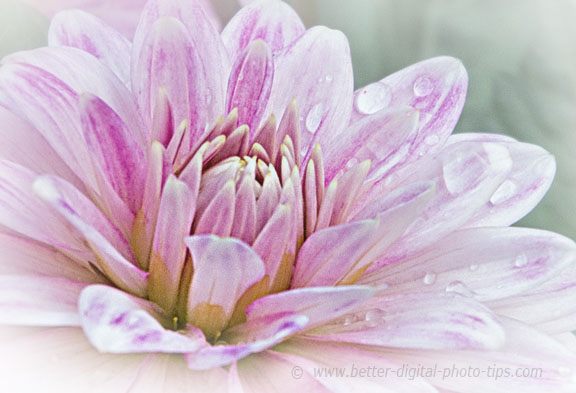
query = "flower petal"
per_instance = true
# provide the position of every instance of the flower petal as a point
(39, 301)
(85, 31)
(224, 268)
(116, 322)
(487, 263)
(323, 92)
(419, 321)
(275, 22)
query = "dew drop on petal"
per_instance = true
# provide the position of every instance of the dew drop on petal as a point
(373, 98)
(474, 267)
(423, 86)
(314, 118)
(462, 172)
(507, 190)
(430, 278)
(460, 288)
(521, 261)
(432, 140)
(374, 317)
(329, 78)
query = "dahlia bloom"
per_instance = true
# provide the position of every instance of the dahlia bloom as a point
(195, 211)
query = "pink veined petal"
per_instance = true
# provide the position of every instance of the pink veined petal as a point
(435, 87)
(337, 253)
(114, 149)
(318, 304)
(39, 301)
(212, 67)
(348, 368)
(548, 307)
(224, 268)
(274, 22)
(487, 263)
(22, 144)
(250, 84)
(27, 257)
(547, 364)
(530, 178)
(316, 71)
(466, 174)
(270, 372)
(63, 63)
(116, 322)
(386, 138)
(84, 31)
(259, 335)
(121, 271)
(418, 321)
(175, 216)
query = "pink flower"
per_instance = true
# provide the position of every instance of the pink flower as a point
(202, 212)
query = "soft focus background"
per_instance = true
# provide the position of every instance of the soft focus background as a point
(520, 54)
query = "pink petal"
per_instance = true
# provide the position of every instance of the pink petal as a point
(435, 87)
(274, 22)
(224, 268)
(39, 301)
(250, 83)
(319, 304)
(121, 271)
(116, 322)
(316, 70)
(174, 223)
(218, 217)
(260, 336)
(487, 263)
(115, 149)
(337, 253)
(418, 320)
(84, 31)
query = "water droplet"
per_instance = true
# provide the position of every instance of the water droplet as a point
(352, 162)
(240, 77)
(521, 261)
(329, 78)
(320, 80)
(314, 118)
(374, 317)
(506, 191)
(474, 267)
(430, 278)
(460, 288)
(462, 171)
(373, 98)
(349, 320)
(423, 86)
(432, 140)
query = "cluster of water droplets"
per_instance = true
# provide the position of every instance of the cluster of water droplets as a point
(365, 319)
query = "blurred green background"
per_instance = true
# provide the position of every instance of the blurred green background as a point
(520, 55)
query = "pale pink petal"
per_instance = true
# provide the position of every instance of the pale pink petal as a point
(217, 218)
(120, 270)
(337, 253)
(435, 87)
(39, 301)
(250, 83)
(274, 22)
(116, 322)
(549, 307)
(316, 70)
(258, 335)
(347, 368)
(211, 65)
(84, 31)
(24, 256)
(173, 225)
(487, 263)
(530, 178)
(319, 304)
(22, 144)
(224, 268)
(419, 321)
(386, 138)
(62, 64)
(115, 149)
(543, 364)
